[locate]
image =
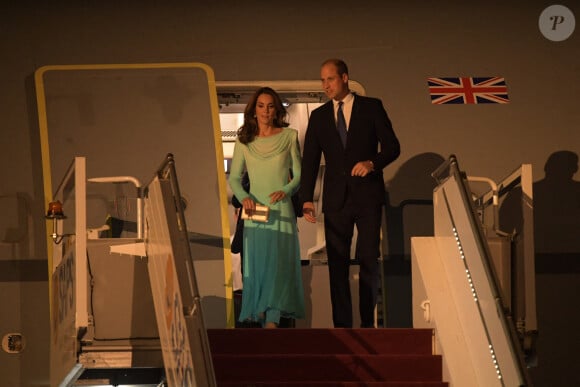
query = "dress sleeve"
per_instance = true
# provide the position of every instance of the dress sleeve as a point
(294, 183)
(237, 171)
(310, 158)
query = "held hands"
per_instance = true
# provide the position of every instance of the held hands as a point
(362, 168)
(308, 211)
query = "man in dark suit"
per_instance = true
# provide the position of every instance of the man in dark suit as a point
(353, 190)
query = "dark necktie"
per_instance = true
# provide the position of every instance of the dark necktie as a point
(341, 124)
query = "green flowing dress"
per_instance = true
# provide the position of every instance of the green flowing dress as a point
(272, 277)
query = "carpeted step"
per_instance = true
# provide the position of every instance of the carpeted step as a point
(256, 341)
(325, 368)
(384, 357)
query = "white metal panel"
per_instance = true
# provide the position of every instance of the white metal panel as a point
(430, 275)
(69, 277)
(171, 323)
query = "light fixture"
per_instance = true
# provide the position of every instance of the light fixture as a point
(56, 214)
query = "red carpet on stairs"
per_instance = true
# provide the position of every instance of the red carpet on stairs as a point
(325, 358)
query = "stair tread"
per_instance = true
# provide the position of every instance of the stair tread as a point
(321, 356)
(333, 340)
(328, 367)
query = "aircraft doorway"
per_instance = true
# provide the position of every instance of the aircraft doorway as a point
(300, 99)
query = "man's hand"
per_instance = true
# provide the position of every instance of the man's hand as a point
(362, 168)
(308, 212)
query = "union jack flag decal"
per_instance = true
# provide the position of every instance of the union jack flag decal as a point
(468, 90)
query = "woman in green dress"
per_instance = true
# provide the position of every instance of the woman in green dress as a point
(268, 150)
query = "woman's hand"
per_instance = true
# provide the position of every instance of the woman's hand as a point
(277, 196)
(248, 205)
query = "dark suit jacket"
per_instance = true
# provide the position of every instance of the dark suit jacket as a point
(370, 137)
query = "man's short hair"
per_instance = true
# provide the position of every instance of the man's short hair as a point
(341, 66)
